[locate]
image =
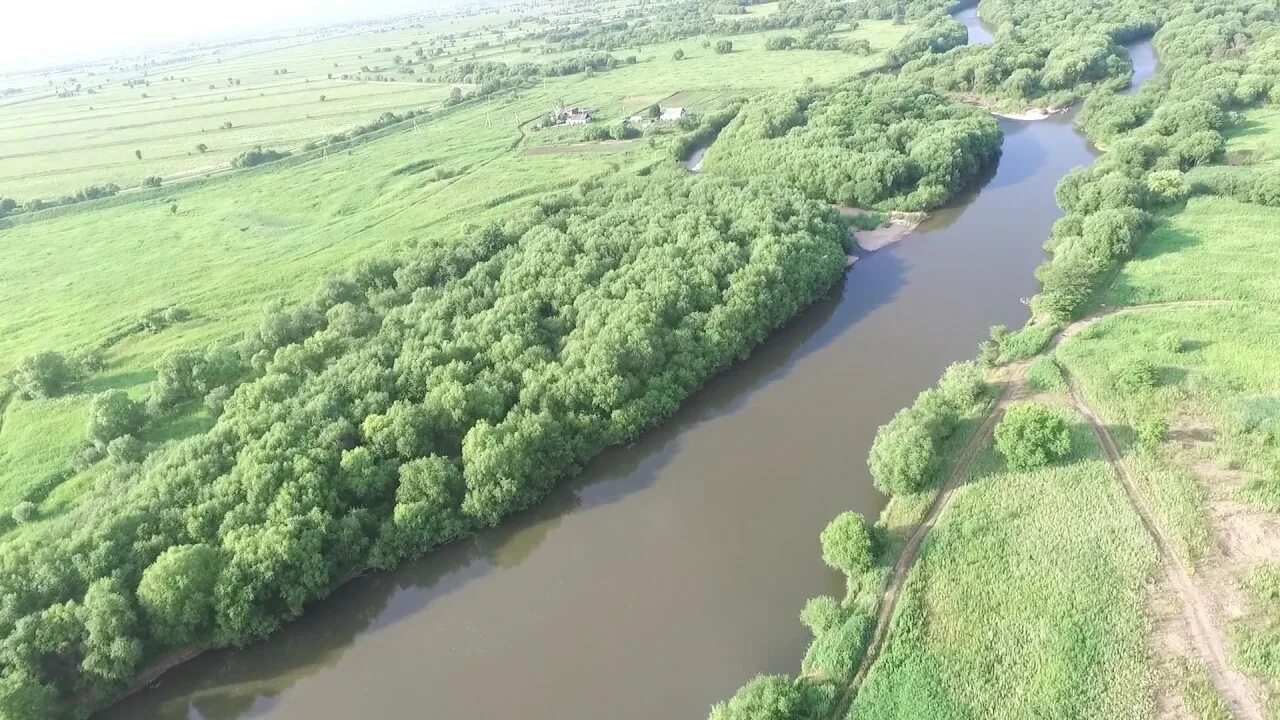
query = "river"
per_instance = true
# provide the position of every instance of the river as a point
(672, 570)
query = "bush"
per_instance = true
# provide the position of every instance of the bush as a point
(217, 399)
(1134, 375)
(846, 544)
(126, 449)
(257, 156)
(724, 47)
(1168, 186)
(1033, 435)
(962, 384)
(766, 697)
(1172, 344)
(1265, 189)
(1152, 431)
(902, 456)
(820, 614)
(835, 654)
(111, 415)
(24, 511)
(44, 375)
(1046, 375)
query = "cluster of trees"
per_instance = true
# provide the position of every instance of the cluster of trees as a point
(1154, 137)
(818, 39)
(1016, 72)
(386, 119)
(877, 142)
(904, 454)
(934, 34)
(406, 403)
(257, 156)
(481, 72)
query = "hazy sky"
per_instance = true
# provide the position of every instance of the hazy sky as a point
(49, 32)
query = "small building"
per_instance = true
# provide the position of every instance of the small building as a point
(672, 114)
(570, 116)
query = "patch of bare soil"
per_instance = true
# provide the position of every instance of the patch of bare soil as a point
(896, 227)
(1201, 603)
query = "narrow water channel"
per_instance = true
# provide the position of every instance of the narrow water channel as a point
(672, 570)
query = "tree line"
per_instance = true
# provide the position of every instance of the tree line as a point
(871, 142)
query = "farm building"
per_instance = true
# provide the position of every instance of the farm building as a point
(570, 116)
(672, 114)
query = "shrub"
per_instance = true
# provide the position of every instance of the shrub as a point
(217, 399)
(835, 654)
(902, 456)
(766, 697)
(44, 375)
(846, 544)
(1032, 435)
(961, 384)
(1265, 189)
(820, 614)
(1152, 431)
(1172, 344)
(1026, 342)
(24, 511)
(1046, 375)
(1134, 375)
(126, 449)
(1168, 186)
(153, 181)
(257, 156)
(724, 47)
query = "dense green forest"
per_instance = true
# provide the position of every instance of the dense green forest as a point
(875, 142)
(408, 402)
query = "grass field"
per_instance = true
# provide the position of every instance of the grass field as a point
(1214, 384)
(1027, 602)
(51, 146)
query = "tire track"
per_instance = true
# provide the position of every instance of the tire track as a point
(1013, 388)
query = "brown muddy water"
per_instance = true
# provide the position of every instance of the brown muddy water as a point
(672, 570)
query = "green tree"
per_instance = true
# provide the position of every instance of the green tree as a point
(23, 512)
(1032, 435)
(111, 648)
(43, 375)
(820, 614)
(767, 697)
(846, 544)
(137, 154)
(202, 148)
(902, 456)
(176, 592)
(111, 415)
(724, 47)
(678, 54)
